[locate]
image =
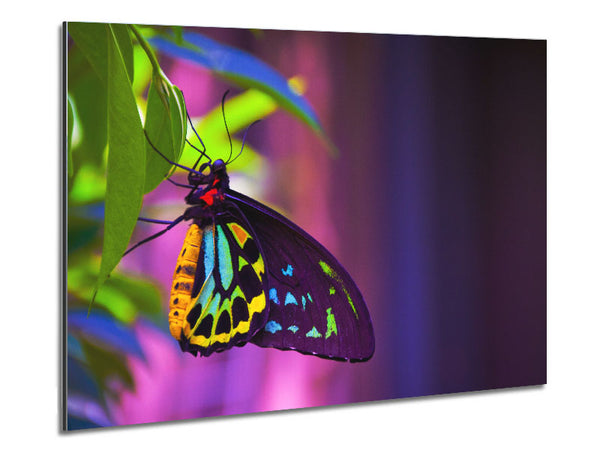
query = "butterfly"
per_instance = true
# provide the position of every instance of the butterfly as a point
(246, 273)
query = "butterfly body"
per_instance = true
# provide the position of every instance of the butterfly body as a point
(247, 274)
(218, 291)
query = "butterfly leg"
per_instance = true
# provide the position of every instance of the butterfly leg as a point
(154, 236)
(161, 222)
(188, 186)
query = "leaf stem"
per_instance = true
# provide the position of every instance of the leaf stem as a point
(162, 83)
(146, 47)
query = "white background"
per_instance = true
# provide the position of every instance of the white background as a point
(565, 412)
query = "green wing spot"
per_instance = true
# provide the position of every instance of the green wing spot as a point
(331, 325)
(331, 290)
(327, 270)
(314, 333)
(241, 263)
(213, 305)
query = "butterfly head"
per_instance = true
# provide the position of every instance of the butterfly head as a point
(209, 181)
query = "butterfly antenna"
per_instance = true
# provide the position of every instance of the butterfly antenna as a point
(226, 127)
(243, 141)
(167, 159)
(203, 151)
(197, 135)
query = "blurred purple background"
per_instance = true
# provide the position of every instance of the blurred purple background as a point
(436, 206)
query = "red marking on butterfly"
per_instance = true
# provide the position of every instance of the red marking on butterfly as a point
(209, 197)
(213, 194)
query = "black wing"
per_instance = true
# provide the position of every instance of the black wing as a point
(315, 306)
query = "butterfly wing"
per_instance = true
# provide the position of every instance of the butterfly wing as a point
(218, 298)
(314, 305)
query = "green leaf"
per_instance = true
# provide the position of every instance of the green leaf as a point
(125, 46)
(165, 123)
(92, 40)
(126, 162)
(88, 94)
(158, 130)
(70, 119)
(178, 121)
(165, 129)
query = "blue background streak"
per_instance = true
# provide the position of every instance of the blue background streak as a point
(231, 62)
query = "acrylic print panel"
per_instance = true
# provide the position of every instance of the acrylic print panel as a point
(384, 221)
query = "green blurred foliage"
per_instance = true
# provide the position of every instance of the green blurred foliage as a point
(106, 366)
(107, 74)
